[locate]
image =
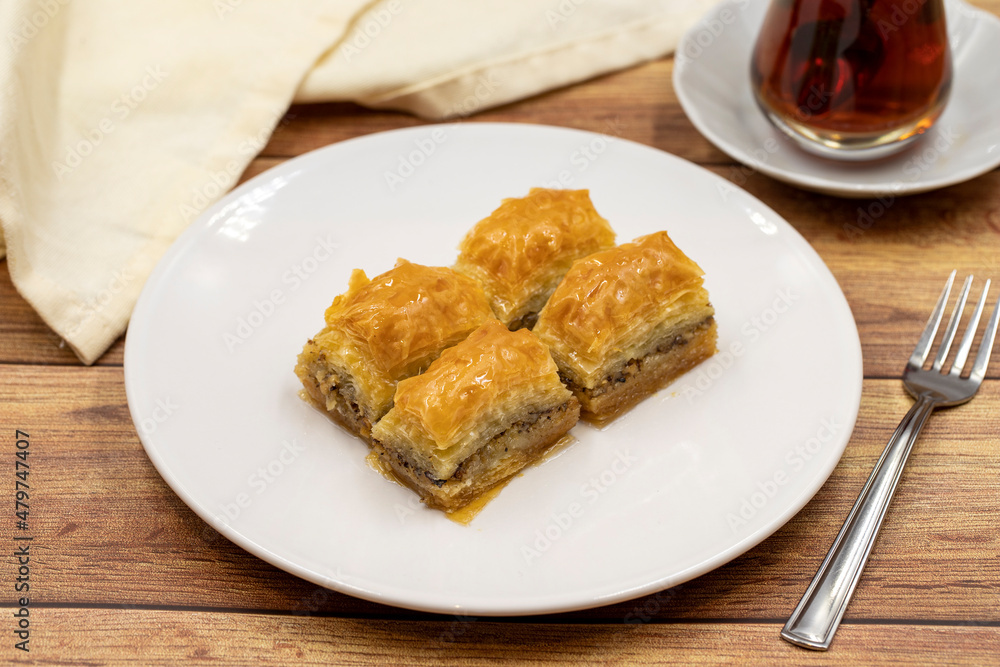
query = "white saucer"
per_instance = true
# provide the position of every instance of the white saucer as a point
(712, 81)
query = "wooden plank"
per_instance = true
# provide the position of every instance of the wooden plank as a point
(90, 636)
(112, 532)
(992, 6)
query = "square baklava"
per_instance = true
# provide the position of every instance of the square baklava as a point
(485, 409)
(381, 331)
(524, 248)
(627, 321)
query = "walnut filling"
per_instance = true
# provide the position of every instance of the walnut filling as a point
(486, 454)
(503, 456)
(525, 322)
(337, 397)
(633, 367)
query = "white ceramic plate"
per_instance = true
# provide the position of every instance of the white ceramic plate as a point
(688, 480)
(712, 81)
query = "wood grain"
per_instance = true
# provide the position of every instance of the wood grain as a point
(113, 533)
(166, 638)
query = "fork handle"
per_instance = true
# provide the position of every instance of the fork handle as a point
(818, 614)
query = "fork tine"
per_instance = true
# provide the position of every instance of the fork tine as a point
(949, 331)
(970, 333)
(986, 346)
(923, 347)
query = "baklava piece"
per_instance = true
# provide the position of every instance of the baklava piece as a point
(626, 322)
(382, 331)
(484, 410)
(524, 248)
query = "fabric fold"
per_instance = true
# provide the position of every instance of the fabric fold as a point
(120, 122)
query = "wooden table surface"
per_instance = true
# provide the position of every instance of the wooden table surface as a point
(121, 570)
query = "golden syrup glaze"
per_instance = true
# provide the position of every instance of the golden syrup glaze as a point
(407, 314)
(528, 243)
(383, 330)
(464, 515)
(442, 412)
(612, 299)
(560, 445)
(375, 463)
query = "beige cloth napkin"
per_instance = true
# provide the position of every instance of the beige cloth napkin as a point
(120, 121)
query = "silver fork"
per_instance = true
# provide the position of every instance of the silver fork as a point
(818, 614)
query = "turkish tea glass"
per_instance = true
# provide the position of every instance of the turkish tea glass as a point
(853, 79)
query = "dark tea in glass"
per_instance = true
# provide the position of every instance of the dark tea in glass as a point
(853, 79)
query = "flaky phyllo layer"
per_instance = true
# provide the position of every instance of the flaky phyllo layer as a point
(524, 248)
(389, 328)
(620, 304)
(472, 393)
